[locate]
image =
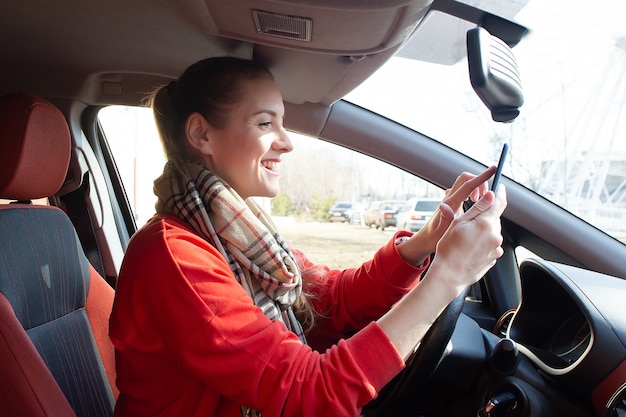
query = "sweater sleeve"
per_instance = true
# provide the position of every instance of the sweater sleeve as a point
(184, 304)
(349, 299)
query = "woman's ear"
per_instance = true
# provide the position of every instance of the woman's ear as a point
(197, 131)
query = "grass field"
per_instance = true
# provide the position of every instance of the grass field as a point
(337, 245)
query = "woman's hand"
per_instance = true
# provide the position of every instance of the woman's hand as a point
(468, 248)
(423, 243)
(472, 243)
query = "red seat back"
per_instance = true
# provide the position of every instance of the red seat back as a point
(54, 307)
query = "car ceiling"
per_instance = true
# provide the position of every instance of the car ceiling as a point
(115, 51)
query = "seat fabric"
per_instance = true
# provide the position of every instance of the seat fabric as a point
(45, 277)
(27, 386)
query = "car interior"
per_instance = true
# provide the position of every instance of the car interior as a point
(545, 336)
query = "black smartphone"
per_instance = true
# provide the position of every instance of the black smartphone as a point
(496, 177)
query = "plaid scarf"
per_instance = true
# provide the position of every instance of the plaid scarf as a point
(242, 232)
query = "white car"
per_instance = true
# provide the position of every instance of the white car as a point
(416, 212)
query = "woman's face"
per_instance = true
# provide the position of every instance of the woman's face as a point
(247, 152)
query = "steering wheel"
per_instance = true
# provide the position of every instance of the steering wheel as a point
(420, 366)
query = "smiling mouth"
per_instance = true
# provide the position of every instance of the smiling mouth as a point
(270, 165)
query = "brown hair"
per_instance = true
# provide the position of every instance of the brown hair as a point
(314, 279)
(211, 87)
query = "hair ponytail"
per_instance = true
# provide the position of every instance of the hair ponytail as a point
(166, 119)
(211, 87)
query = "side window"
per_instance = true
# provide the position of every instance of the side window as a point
(310, 187)
(134, 142)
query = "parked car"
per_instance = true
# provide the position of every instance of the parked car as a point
(416, 212)
(387, 212)
(544, 331)
(346, 211)
(371, 214)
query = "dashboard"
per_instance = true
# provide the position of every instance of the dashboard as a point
(561, 353)
(571, 324)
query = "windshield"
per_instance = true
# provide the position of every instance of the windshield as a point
(569, 142)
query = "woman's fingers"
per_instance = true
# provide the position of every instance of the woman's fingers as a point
(486, 213)
(472, 243)
(496, 203)
(446, 216)
(468, 186)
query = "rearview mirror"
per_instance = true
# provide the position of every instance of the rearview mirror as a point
(494, 74)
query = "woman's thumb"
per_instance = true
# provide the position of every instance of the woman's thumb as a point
(481, 205)
(446, 215)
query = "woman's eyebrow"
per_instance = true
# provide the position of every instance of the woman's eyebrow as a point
(266, 111)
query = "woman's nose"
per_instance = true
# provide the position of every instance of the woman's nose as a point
(283, 141)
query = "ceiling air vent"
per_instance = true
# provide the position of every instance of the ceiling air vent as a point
(283, 26)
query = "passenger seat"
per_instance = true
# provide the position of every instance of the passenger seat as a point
(56, 358)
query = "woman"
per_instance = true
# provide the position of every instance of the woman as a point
(213, 310)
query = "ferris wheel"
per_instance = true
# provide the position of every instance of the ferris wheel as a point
(583, 108)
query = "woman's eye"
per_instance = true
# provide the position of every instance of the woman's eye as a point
(265, 124)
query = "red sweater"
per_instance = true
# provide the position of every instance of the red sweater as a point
(190, 342)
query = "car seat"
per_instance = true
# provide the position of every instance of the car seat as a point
(55, 355)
